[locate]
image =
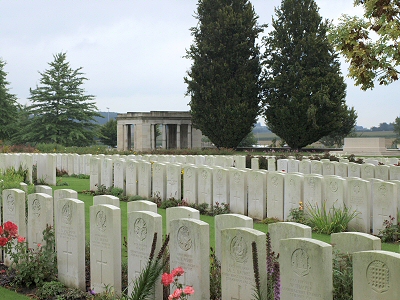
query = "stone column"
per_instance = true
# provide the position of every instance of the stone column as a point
(164, 136)
(120, 137)
(190, 136)
(178, 136)
(152, 136)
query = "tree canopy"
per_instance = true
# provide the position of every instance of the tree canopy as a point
(61, 111)
(370, 43)
(8, 106)
(108, 133)
(223, 81)
(304, 91)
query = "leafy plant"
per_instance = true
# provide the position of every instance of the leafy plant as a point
(390, 233)
(33, 267)
(297, 214)
(330, 221)
(50, 289)
(273, 273)
(342, 276)
(215, 276)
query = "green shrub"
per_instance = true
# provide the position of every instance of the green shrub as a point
(331, 221)
(50, 289)
(391, 231)
(342, 276)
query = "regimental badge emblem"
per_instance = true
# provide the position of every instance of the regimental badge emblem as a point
(67, 213)
(101, 220)
(140, 229)
(184, 238)
(238, 249)
(378, 276)
(300, 262)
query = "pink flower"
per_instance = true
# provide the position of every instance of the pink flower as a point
(167, 279)
(1, 230)
(21, 239)
(188, 290)
(176, 294)
(39, 245)
(11, 228)
(177, 271)
(3, 241)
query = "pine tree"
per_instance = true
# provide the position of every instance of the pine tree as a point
(108, 133)
(8, 106)
(223, 81)
(62, 113)
(304, 91)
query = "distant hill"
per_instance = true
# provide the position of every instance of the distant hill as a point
(105, 114)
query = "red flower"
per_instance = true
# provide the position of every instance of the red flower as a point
(167, 279)
(21, 239)
(3, 241)
(177, 271)
(11, 228)
(188, 290)
(1, 230)
(176, 294)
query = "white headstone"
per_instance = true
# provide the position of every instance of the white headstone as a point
(190, 184)
(358, 199)
(144, 179)
(382, 172)
(107, 172)
(70, 242)
(282, 165)
(141, 205)
(105, 248)
(293, 193)
(159, 181)
(305, 166)
(119, 174)
(106, 199)
(328, 168)
(384, 202)
(174, 181)
(257, 193)
(275, 195)
(220, 186)
(205, 186)
(313, 190)
(316, 167)
(350, 242)
(238, 192)
(189, 240)
(335, 192)
(367, 171)
(341, 169)
(293, 165)
(44, 189)
(95, 173)
(354, 170)
(131, 177)
(179, 212)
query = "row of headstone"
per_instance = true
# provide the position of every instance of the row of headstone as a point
(306, 264)
(369, 169)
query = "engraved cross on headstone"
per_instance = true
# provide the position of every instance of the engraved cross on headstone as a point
(238, 295)
(67, 253)
(102, 263)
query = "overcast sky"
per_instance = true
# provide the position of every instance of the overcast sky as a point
(132, 51)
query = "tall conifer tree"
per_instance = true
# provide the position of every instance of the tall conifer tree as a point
(8, 106)
(223, 81)
(62, 112)
(304, 91)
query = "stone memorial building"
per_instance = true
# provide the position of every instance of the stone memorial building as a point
(176, 130)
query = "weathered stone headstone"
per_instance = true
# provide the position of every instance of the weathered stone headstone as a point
(144, 179)
(275, 184)
(141, 228)
(341, 169)
(328, 168)
(367, 171)
(257, 201)
(384, 203)
(14, 211)
(335, 191)
(205, 186)
(354, 170)
(255, 163)
(293, 166)
(174, 181)
(188, 240)
(350, 242)
(40, 214)
(282, 165)
(64, 193)
(70, 242)
(313, 190)
(376, 275)
(238, 192)
(159, 181)
(237, 275)
(46, 169)
(190, 184)
(316, 167)
(119, 174)
(305, 166)
(220, 186)
(106, 199)
(306, 269)
(228, 221)
(107, 172)
(131, 177)
(394, 173)
(141, 205)
(293, 193)
(179, 212)
(271, 164)
(95, 173)
(382, 172)
(44, 189)
(105, 248)
(286, 230)
(358, 199)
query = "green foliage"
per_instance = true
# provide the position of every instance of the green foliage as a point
(223, 81)
(342, 268)
(330, 221)
(304, 91)
(50, 289)
(249, 140)
(273, 272)
(34, 267)
(108, 133)
(390, 232)
(297, 215)
(8, 106)
(370, 43)
(215, 276)
(62, 113)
